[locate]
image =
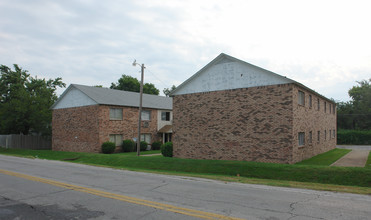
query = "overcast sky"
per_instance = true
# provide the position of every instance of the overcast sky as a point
(325, 45)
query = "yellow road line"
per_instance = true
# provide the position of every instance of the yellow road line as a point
(157, 205)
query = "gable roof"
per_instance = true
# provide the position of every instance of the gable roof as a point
(105, 96)
(224, 58)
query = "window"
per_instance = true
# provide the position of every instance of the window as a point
(333, 109)
(324, 106)
(310, 137)
(301, 98)
(333, 133)
(310, 101)
(329, 107)
(115, 113)
(318, 104)
(146, 138)
(318, 136)
(329, 134)
(301, 138)
(146, 115)
(165, 116)
(116, 138)
(325, 135)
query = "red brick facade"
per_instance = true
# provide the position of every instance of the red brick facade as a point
(84, 129)
(252, 124)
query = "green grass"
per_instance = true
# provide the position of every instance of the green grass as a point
(219, 169)
(325, 159)
(368, 163)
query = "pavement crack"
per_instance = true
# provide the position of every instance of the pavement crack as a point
(157, 187)
(43, 195)
(292, 207)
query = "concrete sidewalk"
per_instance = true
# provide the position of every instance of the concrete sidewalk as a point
(355, 158)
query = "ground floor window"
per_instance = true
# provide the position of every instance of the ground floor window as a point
(116, 138)
(310, 137)
(146, 138)
(318, 136)
(301, 137)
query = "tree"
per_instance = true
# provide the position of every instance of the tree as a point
(25, 102)
(356, 114)
(129, 83)
(167, 91)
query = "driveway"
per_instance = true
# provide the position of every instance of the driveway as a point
(356, 158)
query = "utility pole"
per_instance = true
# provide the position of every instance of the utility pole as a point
(140, 105)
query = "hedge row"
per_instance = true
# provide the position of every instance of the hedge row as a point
(354, 137)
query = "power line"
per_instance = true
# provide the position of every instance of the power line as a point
(164, 84)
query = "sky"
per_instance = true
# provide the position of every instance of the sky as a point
(325, 45)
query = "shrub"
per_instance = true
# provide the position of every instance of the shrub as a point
(156, 145)
(353, 137)
(108, 147)
(167, 149)
(143, 146)
(128, 145)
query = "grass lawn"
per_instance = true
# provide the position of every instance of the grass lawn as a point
(368, 163)
(325, 159)
(348, 179)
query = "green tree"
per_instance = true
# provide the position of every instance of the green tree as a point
(129, 83)
(356, 114)
(25, 101)
(167, 91)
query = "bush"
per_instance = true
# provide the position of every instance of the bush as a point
(354, 137)
(128, 145)
(156, 145)
(167, 149)
(108, 147)
(143, 146)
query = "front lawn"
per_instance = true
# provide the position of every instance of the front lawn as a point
(233, 170)
(327, 158)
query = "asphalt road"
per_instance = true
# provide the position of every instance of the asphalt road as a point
(41, 189)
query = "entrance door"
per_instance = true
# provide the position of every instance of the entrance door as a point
(168, 137)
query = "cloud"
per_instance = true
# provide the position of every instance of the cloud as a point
(324, 45)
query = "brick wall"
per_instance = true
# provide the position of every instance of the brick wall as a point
(76, 129)
(308, 118)
(253, 124)
(84, 129)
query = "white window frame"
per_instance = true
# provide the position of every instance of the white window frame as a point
(164, 116)
(116, 138)
(146, 115)
(115, 114)
(146, 137)
(301, 138)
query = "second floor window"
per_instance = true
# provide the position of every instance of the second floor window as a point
(146, 115)
(301, 99)
(165, 116)
(115, 113)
